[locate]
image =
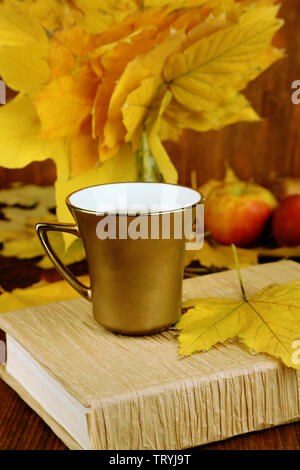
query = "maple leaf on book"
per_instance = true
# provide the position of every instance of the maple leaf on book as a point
(266, 322)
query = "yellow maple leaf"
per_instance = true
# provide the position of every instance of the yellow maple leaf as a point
(119, 168)
(197, 76)
(20, 141)
(113, 63)
(205, 28)
(137, 70)
(28, 196)
(175, 3)
(24, 248)
(216, 255)
(17, 230)
(268, 321)
(159, 153)
(73, 254)
(235, 108)
(66, 46)
(38, 294)
(19, 223)
(23, 48)
(83, 149)
(29, 247)
(210, 321)
(52, 14)
(109, 68)
(63, 105)
(169, 130)
(97, 15)
(57, 14)
(219, 256)
(137, 107)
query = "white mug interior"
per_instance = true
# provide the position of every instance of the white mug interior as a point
(134, 197)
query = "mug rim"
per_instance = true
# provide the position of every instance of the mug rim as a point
(89, 211)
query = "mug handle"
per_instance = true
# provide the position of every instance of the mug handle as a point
(42, 229)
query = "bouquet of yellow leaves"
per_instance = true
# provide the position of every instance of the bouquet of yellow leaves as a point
(101, 83)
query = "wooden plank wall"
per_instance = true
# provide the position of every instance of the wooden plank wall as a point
(254, 150)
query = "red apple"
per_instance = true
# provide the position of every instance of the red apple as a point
(238, 212)
(286, 221)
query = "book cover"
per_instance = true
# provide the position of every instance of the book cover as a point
(137, 392)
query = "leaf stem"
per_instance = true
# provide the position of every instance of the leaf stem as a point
(237, 265)
(146, 166)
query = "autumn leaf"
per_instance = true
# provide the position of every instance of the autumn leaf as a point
(28, 246)
(113, 62)
(29, 196)
(51, 14)
(159, 153)
(63, 105)
(38, 294)
(25, 247)
(20, 141)
(73, 254)
(214, 255)
(83, 149)
(97, 76)
(23, 48)
(237, 108)
(137, 107)
(25, 207)
(268, 321)
(169, 130)
(97, 15)
(209, 321)
(23, 216)
(65, 46)
(197, 76)
(10, 231)
(142, 67)
(117, 169)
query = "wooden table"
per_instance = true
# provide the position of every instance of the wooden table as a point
(21, 428)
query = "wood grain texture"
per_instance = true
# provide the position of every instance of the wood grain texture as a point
(54, 425)
(254, 150)
(20, 427)
(142, 396)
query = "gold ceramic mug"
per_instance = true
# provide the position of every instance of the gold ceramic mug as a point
(134, 235)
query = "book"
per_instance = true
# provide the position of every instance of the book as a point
(100, 390)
